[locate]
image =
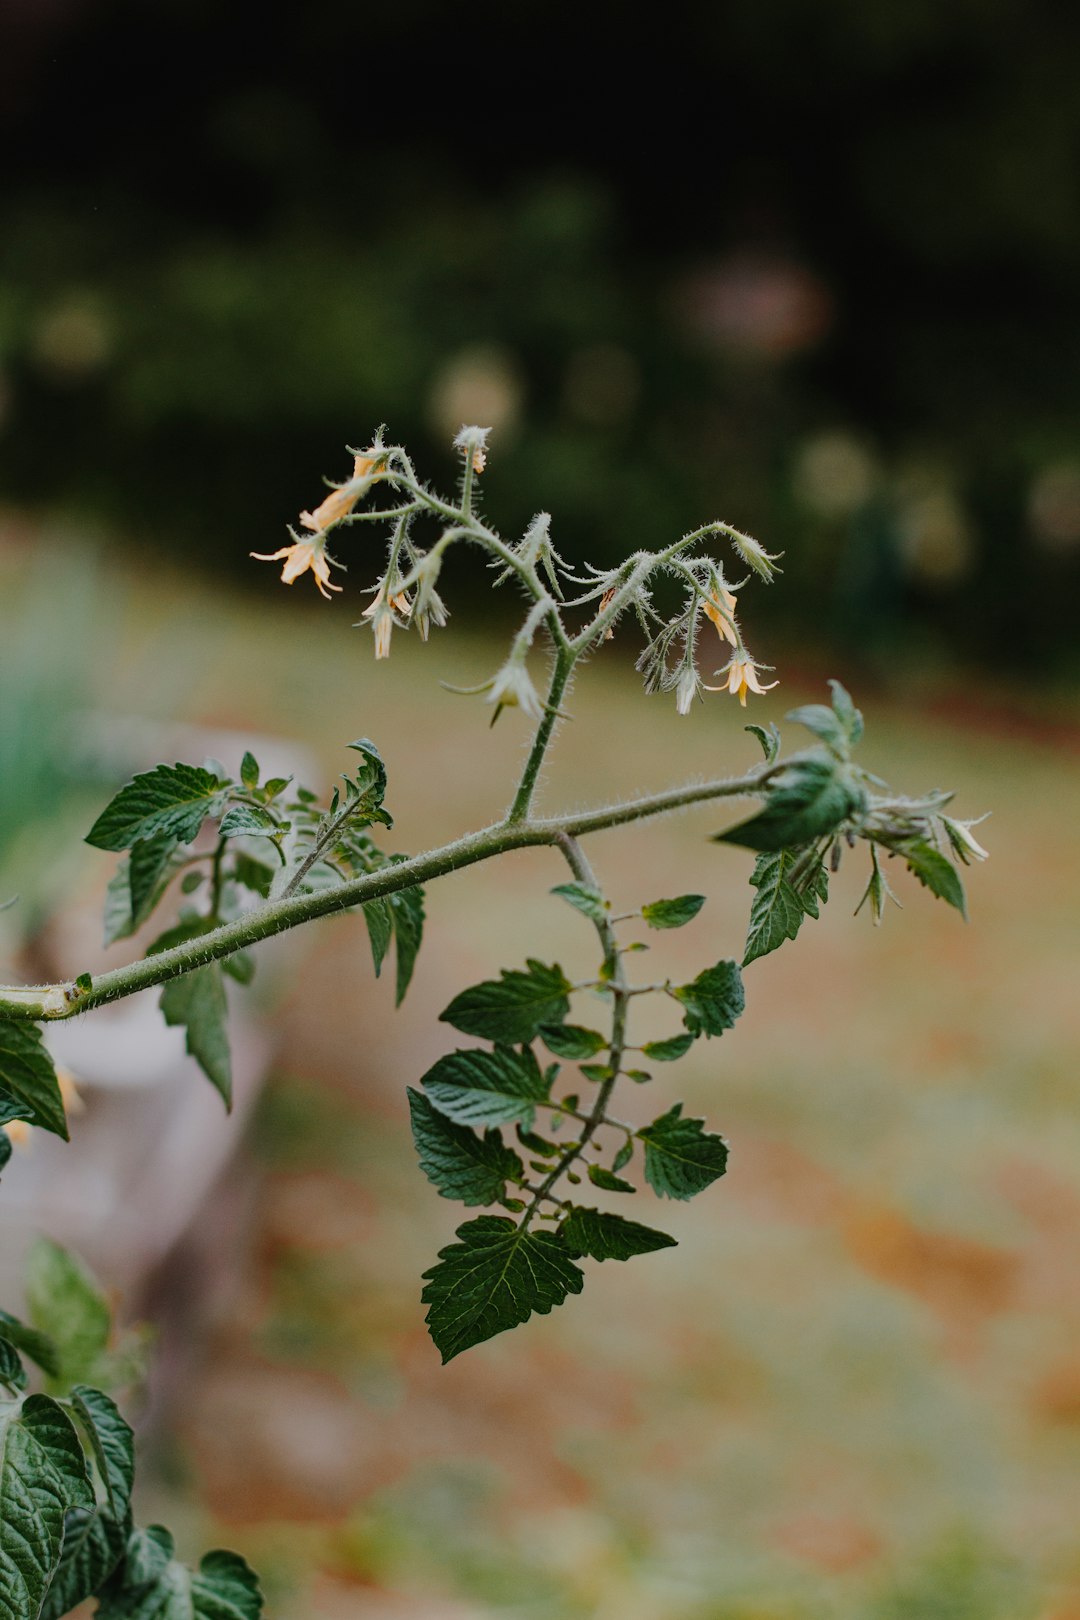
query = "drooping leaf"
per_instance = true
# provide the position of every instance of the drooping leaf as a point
(777, 912)
(196, 1001)
(170, 800)
(379, 919)
(572, 1041)
(673, 913)
(600, 1177)
(28, 1085)
(66, 1304)
(33, 1343)
(713, 1001)
(512, 1008)
(150, 867)
(936, 873)
(494, 1278)
(807, 798)
(240, 966)
(609, 1237)
(669, 1051)
(407, 906)
(252, 874)
(681, 1157)
(248, 821)
(470, 1168)
(39, 1480)
(475, 1087)
(584, 898)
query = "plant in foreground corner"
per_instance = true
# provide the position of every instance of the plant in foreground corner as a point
(522, 1123)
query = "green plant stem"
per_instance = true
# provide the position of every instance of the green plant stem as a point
(560, 676)
(58, 1001)
(578, 863)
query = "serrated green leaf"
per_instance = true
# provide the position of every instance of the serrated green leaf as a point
(38, 1346)
(936, 873)
(150, 866)
(475, 1087)
(462, 1165)
(65, 1302)
(112, 1445)
(824, 723)
(681, 1157)
(249, 770)
(407, 906)
(39, 1480)
(93, 1546)
(777, 912)
(223, 1587)
(28, 1085)
(248, 821)
(512, 1008)
(379, 919)
(673, 913)
(609, 1180)
(609, 1237)
(671, 1050)
(122, 917)
(494, 1278)
(196, 1001)
(806, 799)
(769, 738)
(713, 1001)
(169, 800)
(584, 898)
(572, 1041)
(252, 874)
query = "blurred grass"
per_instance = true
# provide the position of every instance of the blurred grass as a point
(854, 1389)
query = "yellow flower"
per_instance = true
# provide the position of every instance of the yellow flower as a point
(340, 502)
(299, 558)
(721, 610)
(742, 677)
(381, 613)
(20, 1132)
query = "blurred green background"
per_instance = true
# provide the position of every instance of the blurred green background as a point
(809, 267)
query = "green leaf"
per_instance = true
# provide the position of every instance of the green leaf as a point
(380, 926)
(512, 1008)
(936, 873)
(681, 1157)
(65, 1302)
(407, 906)
(150, 868)
(169, 800)
(769, 738)
(252, 874)
(777, 912)
(462, 1165)
(806, 799)
(12, 1371)
(597, 1071)
(28, 1086)
(249, 770)
(152, 1585)
(824, 724)
(196, 1001)
(112, 1444)
(475, 1087)
(41, 1475)
(670, 1050)
(624, 1155)
(248, 821)
(712, 1001)
(5, 1148)
(95, 1538)
(584, 898)
(494, 1278)
(239, 966)
(609, 1180)
(122, 917)
(609, 1237)
(38, 1346)
(673, 913)
(572, 1041)
(847, 714)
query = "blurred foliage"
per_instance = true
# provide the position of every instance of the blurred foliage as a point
(808, 267)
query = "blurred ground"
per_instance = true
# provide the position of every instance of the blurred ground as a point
(853, 1390)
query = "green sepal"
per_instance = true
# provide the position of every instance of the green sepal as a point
(936, 873)
(713, 1001)
(601, 1236)
(681, 1157)
(462, 1165)
(512, 1008)
(29, 1088)
(474, 1087)
(572, 1041)
(673, 913)
(608, 1180)
(495, 1277)
(197, 1002)
(170, 800)
(809, 797)
(584, 898)
(669, 1051)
